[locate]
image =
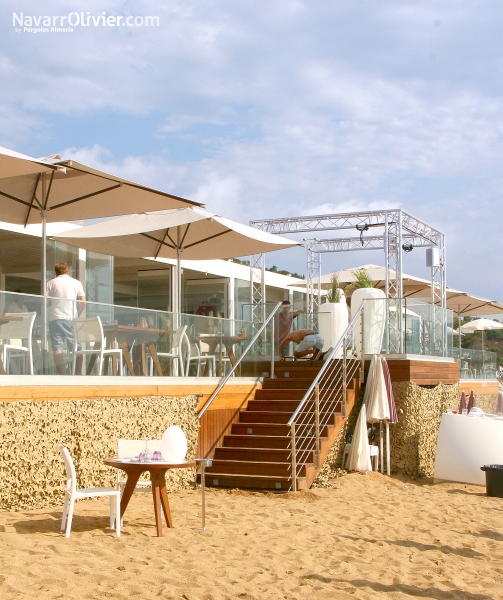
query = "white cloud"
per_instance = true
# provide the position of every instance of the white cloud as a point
(282, 107)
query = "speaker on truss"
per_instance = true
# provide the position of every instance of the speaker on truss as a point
(432, 257)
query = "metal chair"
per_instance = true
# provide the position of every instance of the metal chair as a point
(89, 330)
(72, 494)
(13, 335)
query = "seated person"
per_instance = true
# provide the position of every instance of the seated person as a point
(308, 342)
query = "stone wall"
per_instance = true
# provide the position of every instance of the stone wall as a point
(32, 473)
(413, 438)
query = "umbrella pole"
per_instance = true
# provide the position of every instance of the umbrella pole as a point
(43, 278)
(388, 466)
(381, 447)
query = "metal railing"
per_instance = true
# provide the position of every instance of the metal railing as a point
(225, 378)
(324, 395)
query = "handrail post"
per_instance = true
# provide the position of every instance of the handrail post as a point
(294, 457)
(362, 380)
(317, 423)
(344, 378)
(271, 374)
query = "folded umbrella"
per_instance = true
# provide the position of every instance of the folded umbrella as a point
(472, 402)
(462, 402)
(359, 452)
(499, 404)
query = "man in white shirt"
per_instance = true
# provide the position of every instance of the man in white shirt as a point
(61, 313)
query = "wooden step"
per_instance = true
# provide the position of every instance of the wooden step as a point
(238, 467)
(275, 429)
(273, 405)
(255, 482)
(255, 416)
(286, 383)
(261, 455)
(256, 441)
(267, 429)
(281, 394)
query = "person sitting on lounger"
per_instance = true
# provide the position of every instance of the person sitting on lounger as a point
(308, 342)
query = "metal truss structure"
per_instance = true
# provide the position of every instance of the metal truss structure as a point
(400, 232)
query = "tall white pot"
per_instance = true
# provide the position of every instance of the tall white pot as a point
(333, 320)
(374, 318)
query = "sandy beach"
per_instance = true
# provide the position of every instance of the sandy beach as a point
(369, 537)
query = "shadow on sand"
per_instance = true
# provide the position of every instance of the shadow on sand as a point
(410, 590)
(466, 552)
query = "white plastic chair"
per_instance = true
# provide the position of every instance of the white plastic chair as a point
(177, 354)
(89, 330)
(72, 494)
(13, 334)
(373, 451)
(130, 449)
(201, 359)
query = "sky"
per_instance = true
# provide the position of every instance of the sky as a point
(278, 108)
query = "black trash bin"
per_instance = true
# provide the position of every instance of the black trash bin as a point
(494, 480)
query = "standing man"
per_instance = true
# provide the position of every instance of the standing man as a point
(286, 317)
(61, 313)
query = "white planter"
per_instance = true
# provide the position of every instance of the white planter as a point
(374, 315)
(333, 320)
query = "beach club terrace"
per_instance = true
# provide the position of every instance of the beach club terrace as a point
(180, 340)
(212, 361)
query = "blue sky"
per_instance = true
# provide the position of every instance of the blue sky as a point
(280, 108)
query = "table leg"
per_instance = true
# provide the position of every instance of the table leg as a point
(92, 360)
(156, 493)
(114, 359)
(155, 358)
(165, 501)
(127, 357)
(129, 488)
(143, 361)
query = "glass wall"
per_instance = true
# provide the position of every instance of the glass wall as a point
(205, 296)
(476, 364)
(99, 277)
(241, 297)
(121, 340)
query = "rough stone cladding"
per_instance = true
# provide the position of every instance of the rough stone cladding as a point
(32, 472)
(413, 439)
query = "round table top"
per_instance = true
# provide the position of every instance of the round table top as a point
(124, 463)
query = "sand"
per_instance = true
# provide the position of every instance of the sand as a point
(370, 537)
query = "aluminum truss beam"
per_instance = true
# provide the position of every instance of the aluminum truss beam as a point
(398, 228)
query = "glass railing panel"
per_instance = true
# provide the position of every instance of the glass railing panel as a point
(425, 329)
(476, 364)
(137, 341)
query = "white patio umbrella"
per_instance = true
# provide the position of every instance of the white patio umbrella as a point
(68, 190)
(359, 452)
(194, 232)
(410, 283)
(480, 325)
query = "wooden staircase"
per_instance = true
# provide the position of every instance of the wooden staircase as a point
(256, 454)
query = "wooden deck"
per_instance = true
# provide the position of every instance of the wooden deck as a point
(423, 372)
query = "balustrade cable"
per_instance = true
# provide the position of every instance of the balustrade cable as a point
(325, 394)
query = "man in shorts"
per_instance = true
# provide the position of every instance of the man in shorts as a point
(62, 312)
(285, 319)
(308, 342)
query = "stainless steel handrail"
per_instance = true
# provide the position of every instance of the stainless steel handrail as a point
(225, 378)
(324, 393)
(324, 368)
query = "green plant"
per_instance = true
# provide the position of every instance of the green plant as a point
(334, 293)
(363, 279)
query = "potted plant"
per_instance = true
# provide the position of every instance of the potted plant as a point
(333, 316)
(374, 312)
